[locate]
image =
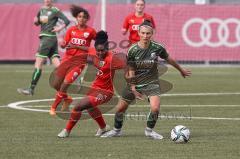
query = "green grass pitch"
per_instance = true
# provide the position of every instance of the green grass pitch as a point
(209, 103)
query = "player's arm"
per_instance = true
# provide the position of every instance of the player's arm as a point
(130, 74)
(36, 19)
(132, 81)
(125, 26)
(72, 46)
(164, 55)
(61, 16)
(184, 72)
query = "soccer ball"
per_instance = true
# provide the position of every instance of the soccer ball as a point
(180, 134)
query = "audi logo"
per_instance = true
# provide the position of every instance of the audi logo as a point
(205, 32)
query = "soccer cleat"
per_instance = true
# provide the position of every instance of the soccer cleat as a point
(66, 103)
(25, 91)
(100, 132)
(152, 134)
(63, 134)
(113, 133)
(52, 111)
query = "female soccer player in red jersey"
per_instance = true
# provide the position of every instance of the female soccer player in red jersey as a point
(79, 35)
(101, 90)
(133, 20)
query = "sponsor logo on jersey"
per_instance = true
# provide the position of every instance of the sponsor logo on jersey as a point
(100, 97)
(101, 63)
(153, 55)
(74, 33)
(86, 34)
(75, 75)
(78, 41)
(99, 73)
(135, 27)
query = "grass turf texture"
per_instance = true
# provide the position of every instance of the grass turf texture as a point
(26, 134)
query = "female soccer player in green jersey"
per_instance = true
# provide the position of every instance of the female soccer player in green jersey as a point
(143, 79)
(47, 18)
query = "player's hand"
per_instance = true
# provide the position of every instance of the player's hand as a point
(186, 73)
(57, 28)
(63, 44)
(136, 93)
(71, 46)
(35, 21)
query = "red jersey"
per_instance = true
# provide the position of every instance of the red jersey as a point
(106, 69)
(132, 23)
(79, 37)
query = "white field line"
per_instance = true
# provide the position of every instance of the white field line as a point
(139, 106)
(17, 105)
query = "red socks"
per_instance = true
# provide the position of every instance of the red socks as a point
(75, 116)
(58, 98)
(96, 114)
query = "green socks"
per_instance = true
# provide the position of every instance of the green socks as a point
(152, 119)
(35, 77)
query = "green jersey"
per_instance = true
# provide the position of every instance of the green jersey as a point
(48, 18)
(145, 62)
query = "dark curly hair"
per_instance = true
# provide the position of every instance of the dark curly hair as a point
(75, 10)
(102, 39)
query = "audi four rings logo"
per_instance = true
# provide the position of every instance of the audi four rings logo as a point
(205, 32)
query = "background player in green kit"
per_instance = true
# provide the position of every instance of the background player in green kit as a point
(47, 18)
(143, 79)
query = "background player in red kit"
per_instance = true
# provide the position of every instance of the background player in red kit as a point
(101, 89)
(79, 35)
(133, 20)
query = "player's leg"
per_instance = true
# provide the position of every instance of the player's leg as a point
(44, 51)
(127, 98)
(153, 117)
(61, 94)
(35, 77)
(55, 58)
(74, 117)
(118, 119)
(55, 61)
(97, 97)
(94, 112)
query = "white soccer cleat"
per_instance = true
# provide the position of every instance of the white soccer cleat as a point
(63, 134)
(25, 91)
(113, 133)
(152, 134)
(100, 132)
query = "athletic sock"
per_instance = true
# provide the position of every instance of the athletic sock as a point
(35, 77)
(152, 119)
(96, 114)
(118, 120)
(58, 98)
(74, 117)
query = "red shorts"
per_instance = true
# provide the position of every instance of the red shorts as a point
(99, 96)
(70, 69)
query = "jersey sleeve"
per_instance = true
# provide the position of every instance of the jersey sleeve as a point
(94, 33)
(125, 23)
(162, 53)
(63, 17)
(119, 61)
(67, 37)
(153, 22)
(131, 59)
(38, 18)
